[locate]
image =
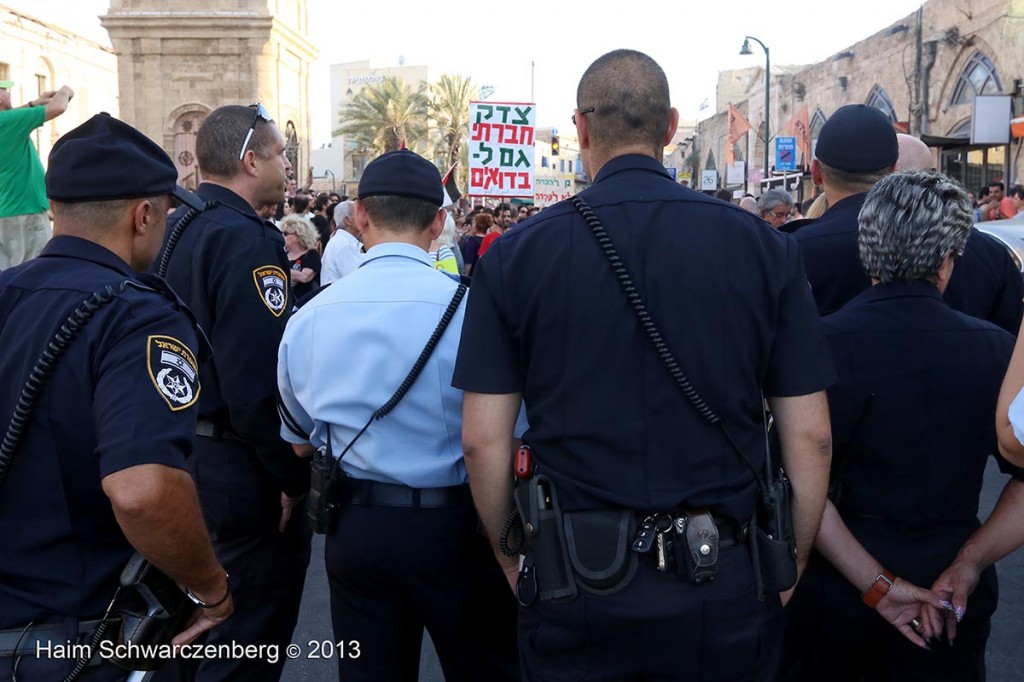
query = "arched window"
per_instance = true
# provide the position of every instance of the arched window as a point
(710, 165)
(979, 77)
(878, 99)
(817, 121)
(962, 130)
(291, 146)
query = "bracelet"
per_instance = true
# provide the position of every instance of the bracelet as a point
(212, 605)
(883, 583)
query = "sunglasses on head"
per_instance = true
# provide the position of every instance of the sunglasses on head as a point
(259, 111)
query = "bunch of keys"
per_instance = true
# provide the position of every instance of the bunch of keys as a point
(656, 532)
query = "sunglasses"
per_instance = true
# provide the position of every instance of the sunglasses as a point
(583, 112)
(259, 111)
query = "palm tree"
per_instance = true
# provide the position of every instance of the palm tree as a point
(449, 109)
(385, 115)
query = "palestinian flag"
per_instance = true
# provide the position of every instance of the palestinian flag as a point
(451, 190)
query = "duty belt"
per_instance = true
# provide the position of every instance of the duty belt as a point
(25, 641)
(205, 427)
(367, 493)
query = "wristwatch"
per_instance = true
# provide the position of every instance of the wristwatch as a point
(883, 583)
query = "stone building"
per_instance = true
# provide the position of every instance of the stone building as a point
(39, 56)
(923, 72)
(179, 61)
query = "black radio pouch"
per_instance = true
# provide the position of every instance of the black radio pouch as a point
(774, 537)
(599, 548)
(547, 572)
(325, 482)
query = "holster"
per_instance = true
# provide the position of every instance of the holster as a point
(326, 485)
(152, 610)
(546, 572)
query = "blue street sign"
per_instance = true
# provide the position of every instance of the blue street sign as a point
(785, 153)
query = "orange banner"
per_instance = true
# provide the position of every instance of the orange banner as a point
(738, 127)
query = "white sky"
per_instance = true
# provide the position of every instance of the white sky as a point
(495, 42)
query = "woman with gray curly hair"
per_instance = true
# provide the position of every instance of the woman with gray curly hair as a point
(913, 425)
(301, 243)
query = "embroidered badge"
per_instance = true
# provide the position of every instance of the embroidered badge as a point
(272, 284)
(174, 371)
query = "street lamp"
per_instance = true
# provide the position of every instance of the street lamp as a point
(745, 50)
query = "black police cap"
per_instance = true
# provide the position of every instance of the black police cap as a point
(105, 159)
(857, 139)
(402, 174)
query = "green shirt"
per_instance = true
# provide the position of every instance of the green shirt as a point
(22, 184)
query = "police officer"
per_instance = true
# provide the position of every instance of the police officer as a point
(406, 553)
(609, 427)
(101, 462)
(910, 454)
(857, 147)
(986, 283)
(230, 266)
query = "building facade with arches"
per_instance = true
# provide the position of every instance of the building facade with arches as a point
(923, 72)
(40, 56)
(176, 62)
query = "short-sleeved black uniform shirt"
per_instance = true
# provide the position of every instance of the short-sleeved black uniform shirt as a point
(912, 411)
(547, 317)
(985, 283)
(230, 267)
(124, 394)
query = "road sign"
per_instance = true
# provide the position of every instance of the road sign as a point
(709, 179)
(785, 153)
(672, 171)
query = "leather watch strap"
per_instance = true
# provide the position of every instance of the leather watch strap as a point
(883, 583)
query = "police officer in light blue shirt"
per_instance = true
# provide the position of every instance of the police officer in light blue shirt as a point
(406, 552)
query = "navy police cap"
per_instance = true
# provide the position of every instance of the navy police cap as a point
(402, 174)
(105, 159)
(857, 139)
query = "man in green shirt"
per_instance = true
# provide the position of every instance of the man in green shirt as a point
(24, 225)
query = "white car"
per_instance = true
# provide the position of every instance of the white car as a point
(1010, 233)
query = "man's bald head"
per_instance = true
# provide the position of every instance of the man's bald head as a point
(914, 154)
(627, 93)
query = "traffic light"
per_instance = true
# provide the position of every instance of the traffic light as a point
(554, 145)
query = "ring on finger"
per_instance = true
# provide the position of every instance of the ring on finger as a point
(915, 623)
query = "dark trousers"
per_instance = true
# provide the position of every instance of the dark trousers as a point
(831, 635)
(394, 571)
(659, 628)
(242, 508)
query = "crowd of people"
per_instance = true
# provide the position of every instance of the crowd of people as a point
(559, 471)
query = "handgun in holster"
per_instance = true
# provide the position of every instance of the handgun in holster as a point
(326, 482)
(547, 573)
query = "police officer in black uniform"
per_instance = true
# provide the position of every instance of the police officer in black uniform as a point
(100, 465)
(230, 266)
(857, 147)
(913, 427)
(548, 321)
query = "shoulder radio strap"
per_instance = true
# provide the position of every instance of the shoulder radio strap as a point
(658, 341)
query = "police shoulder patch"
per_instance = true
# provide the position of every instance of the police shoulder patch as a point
(174, 371)
(272, 283)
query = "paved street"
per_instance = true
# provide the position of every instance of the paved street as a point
(1005, 651)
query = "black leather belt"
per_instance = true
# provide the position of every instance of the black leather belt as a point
(367, 493)
(26, 641)
(205, 427)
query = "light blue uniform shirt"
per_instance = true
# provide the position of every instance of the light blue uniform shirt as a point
(345, 353)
